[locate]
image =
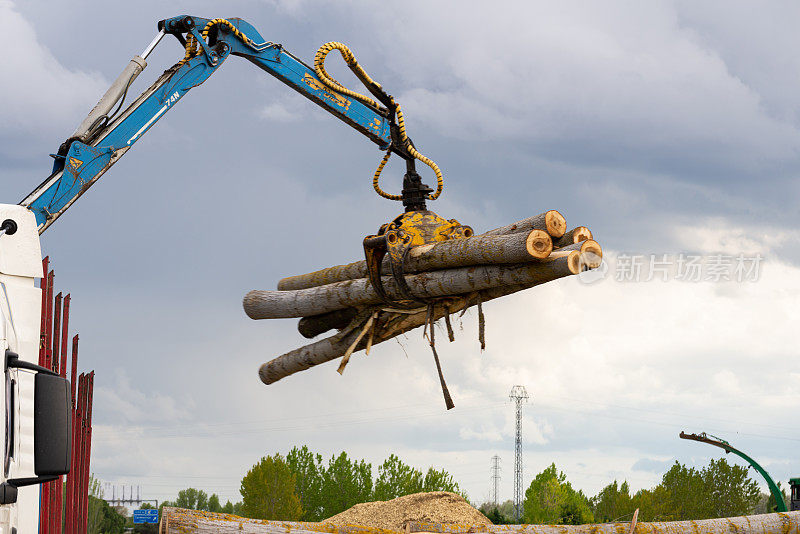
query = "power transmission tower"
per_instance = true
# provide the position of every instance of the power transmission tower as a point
(495, 477)
(518, 395)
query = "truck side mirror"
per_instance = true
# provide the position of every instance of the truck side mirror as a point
(52, 423)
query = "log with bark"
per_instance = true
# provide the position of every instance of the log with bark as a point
(551, 222)
(183, 521)
(390, 324)
(442, 278)
(268, 304)
(576, 235)
(482, 249)
(180, 521)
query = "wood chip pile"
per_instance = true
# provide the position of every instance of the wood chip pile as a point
(436, 507)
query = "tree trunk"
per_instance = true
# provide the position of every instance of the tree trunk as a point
(589, 257)
(311, 327)
(788, 522)
(265, 304)
(478, 250)
(390, 325)
(551, 222)
(576, 235)
(179, 521)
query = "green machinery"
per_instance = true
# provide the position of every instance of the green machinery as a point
(773, 488)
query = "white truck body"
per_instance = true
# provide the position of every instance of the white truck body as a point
(20, 323)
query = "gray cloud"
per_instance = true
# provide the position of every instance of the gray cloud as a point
(651, 465)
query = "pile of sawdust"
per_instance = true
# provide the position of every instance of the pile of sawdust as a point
(435, 507)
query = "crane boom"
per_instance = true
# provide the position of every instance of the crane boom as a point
(727, 447)
(102, 139)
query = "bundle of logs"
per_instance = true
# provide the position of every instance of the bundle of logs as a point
(448, 276)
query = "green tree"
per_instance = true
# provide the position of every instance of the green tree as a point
(268, 491)
(214, 504)
(717, 490)
(345, 483)
(498, 514)
(729, 491)
(191, 499)
(440, 480)
(612, 503)
(105, 520)
(685, 492)
(507, 510)
(551, 499)
(101, 518)
(653, 504)
(396, 479)
(310, 474)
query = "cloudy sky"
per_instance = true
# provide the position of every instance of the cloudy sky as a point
(669, 128)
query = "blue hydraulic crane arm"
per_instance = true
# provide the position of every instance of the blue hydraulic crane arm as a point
(780, 504)
(102, 139)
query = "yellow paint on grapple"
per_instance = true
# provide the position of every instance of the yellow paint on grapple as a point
(417, 228)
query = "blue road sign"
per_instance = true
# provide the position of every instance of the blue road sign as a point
(148, 515)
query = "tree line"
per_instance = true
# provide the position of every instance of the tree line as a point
(303, 486)
(718, 490)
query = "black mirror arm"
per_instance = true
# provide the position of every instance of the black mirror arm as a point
(13, 361)
(29, 481)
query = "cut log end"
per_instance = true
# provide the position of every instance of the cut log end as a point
(556, 223)
(576, 235)
(539, 244)
(574, 261)
(580, 256)
(591, 254)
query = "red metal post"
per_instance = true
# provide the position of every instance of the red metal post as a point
(55, 486)
(88, 446)
(64, 336)
(55, 341)
(48, 327)
(72, 476)
(45, 490)
(74, 373)
(43, 283)
(43, 328)
(83, 486)
(75, 472)
(61, 365)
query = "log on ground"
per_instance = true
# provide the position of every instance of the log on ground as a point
(477, 250)
(266, 304)
(783, 522)
(182, 521)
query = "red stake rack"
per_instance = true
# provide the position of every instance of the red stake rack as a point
(59, 510)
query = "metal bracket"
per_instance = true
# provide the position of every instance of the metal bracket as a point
(395, 243)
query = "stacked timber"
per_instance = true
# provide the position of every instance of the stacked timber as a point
(176, 520)
(443, 277)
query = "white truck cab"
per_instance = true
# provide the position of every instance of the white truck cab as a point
(36, 402)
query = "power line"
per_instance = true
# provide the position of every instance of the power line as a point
(518, 395)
